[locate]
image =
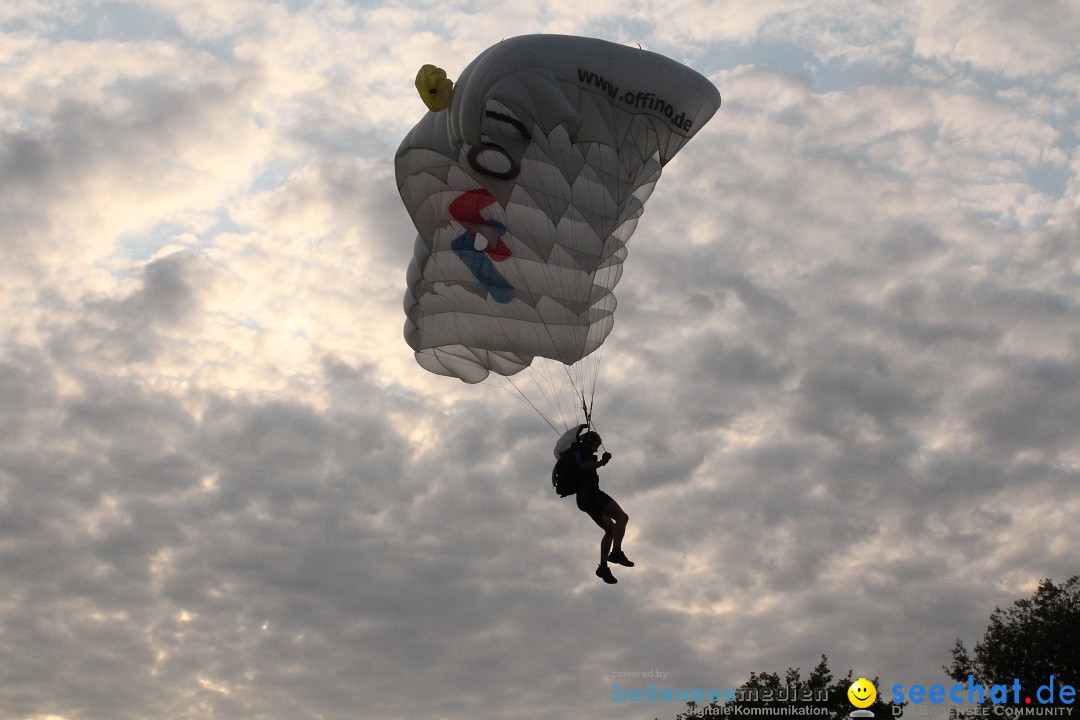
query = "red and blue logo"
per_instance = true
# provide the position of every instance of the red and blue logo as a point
(466, 210)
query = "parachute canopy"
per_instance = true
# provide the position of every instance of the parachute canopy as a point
(524, 191)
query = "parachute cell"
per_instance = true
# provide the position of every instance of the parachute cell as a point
(525, 191)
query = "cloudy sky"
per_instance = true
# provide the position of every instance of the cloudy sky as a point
(842, 391)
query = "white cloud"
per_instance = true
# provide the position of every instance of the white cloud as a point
(1001, 37)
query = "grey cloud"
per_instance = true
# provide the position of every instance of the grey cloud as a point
(852, 388)
(141, 325)
(1036, 406)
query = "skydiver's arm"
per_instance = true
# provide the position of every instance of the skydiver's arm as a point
(590, 465)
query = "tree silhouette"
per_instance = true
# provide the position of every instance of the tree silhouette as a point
(1036, 638)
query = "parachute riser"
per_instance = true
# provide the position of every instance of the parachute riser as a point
(587, 409)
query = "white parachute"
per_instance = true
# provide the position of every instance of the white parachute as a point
(525, 182)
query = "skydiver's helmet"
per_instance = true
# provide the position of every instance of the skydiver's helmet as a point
(591, 438)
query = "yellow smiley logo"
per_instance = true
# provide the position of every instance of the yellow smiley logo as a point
(862, 693)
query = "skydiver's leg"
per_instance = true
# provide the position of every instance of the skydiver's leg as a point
(608, 525)
(609, 534)
(618, 518)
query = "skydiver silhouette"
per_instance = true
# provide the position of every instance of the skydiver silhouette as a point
(599, 505)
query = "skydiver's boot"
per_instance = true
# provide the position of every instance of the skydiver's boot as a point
(619, 558)
(604, 573)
